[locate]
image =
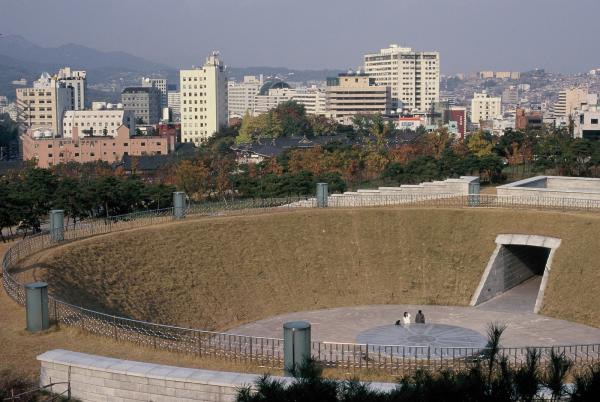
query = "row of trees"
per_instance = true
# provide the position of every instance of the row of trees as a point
(26, 197)
(491, 378)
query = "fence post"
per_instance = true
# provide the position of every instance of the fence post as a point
(296, 345)
(179, 204)
(57, 225)
(322, 195)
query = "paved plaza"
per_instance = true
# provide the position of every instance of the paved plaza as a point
(513, 308)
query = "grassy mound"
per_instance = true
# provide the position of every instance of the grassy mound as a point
(216, 273)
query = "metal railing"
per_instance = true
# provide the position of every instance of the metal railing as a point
(268, 352)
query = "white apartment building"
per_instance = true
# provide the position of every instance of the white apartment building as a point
(76, 80)
(43, 105)
(203, 100)
(161, 85)
(569, 100)
(263, 102)
(241, 95)
(485, 107)
(174, 104)
(587, 123)
(98, 122)
(313, 98)
(413, 77)
(355, 94)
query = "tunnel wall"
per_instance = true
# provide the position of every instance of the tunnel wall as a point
(516, 259)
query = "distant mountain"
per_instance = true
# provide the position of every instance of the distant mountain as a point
(20, 58)
(75, 56)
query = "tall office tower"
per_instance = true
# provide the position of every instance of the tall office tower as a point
(161, 85)
(241, 95)
(144, 102)
(43, 105)
(414, 77)
(76, 80)
(203, 93)
(485, 107)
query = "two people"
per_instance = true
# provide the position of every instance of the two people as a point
(405, 320)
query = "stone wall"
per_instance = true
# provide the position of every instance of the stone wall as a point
(403, 194)
(554, 190)
(98, 378)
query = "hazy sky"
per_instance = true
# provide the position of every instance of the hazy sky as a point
(559, 35)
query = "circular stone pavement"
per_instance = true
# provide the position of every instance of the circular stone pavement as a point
(346, 324)
(432, 335)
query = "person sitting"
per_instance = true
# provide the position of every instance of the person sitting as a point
(406, 318)
(420, 318)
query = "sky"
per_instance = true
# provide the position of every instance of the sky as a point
(471, 35)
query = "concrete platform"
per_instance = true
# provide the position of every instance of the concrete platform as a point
(345, 324)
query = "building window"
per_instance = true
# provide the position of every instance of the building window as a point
(594, 121)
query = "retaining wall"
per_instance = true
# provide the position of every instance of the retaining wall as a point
(99, 378)
(406, 193)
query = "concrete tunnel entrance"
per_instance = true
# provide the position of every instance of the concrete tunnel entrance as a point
(518, 260)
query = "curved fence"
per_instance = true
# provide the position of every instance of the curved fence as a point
(268, 352)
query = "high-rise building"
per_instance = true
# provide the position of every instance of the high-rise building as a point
(313, 98)
(485, 107)
(144, 102)
(350, 94)
(174, 103)
(161, 85)
(77, 81)
(203, 100)
(569, 100)
(43, 105)
(241, 95)
(413, 77)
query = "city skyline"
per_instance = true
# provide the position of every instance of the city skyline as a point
(470, 35)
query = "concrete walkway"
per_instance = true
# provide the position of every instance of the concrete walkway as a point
(521, 298)
(347, 323)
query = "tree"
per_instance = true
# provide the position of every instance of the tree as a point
(291, 116)
(479, 143)
(191, 177)
(321, 125)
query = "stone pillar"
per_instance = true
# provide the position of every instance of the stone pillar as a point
(296, 345)
(57, 225)
(179, 204)
(322, 195)
(37, 306)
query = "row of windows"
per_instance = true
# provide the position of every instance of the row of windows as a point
(184, 79)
